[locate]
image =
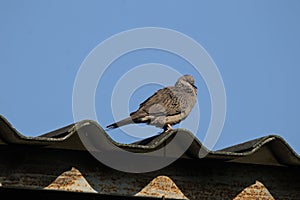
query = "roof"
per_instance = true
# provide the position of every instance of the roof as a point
(57, 164)
(268, 150)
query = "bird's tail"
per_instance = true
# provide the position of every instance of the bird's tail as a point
(122, 122)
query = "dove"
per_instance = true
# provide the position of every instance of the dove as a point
(166, 107)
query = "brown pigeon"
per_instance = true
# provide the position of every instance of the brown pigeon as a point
(166, 107)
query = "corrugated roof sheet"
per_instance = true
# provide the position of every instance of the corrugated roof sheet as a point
(268, 150)
(58, 165)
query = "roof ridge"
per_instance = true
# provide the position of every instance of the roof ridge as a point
(61, 138)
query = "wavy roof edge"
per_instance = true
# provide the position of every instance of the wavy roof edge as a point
(89, 135)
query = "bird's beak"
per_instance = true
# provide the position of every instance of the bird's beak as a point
(194, 86)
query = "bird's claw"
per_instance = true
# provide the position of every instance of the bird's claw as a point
(168, 128)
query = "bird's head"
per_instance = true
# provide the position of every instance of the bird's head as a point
(186, 80)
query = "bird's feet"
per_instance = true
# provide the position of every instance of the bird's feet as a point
(168, 128)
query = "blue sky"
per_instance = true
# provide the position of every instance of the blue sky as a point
(255, 45)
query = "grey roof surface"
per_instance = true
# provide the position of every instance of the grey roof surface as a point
(268, 150)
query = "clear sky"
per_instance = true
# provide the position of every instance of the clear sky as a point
(255, 45)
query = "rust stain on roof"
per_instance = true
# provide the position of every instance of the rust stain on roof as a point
(255, 191)
(163, 187)
(71, 180)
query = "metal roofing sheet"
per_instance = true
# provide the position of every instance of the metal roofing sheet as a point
(268, 150)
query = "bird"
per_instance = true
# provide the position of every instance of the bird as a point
(166, 107)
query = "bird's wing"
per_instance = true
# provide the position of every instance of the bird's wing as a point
(167, 101)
